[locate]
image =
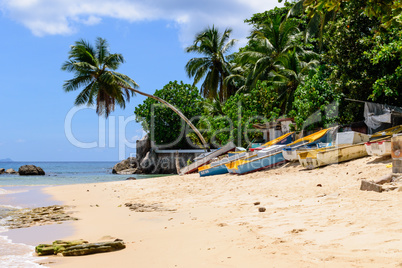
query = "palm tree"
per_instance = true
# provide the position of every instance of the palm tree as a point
(292, 69)
(268, 42)
(94, 70)
(213, 66)
(319, 16)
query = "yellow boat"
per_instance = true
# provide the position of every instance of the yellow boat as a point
(331, 155)
(285, 139)
(271, 156)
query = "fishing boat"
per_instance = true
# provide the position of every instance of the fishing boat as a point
(380, 142)
(332, 155)
(284, 139)
(387, 133)
(207, 159)
(378, 148)
(271, 147)
(349, 146)
(218, 167)
(273, 156)
(260, 163)
(316, 140)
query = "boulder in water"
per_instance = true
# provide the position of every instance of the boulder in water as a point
(2, 170)
(30, 170)
(143, 146)
(128, 163)
(10, 171)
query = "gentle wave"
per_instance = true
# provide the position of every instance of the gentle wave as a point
(16, 254)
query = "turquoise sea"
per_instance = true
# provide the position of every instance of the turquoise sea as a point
(25, 191)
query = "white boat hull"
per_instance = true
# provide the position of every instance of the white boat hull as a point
(379, 148)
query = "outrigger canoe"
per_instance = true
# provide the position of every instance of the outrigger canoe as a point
(323, 136)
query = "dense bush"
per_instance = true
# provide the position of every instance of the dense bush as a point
(164, 125)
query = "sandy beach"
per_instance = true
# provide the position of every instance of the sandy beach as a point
(313, 218)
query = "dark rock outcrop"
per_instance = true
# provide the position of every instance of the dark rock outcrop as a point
(2, 170)
(10, 171)
(128, 163)
(143, 146)
(30, 170)
(149, 164)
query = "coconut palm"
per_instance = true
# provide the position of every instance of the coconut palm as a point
(291, 71)
(213, 66)
(268, 42)
(319, 16)
(94, 70)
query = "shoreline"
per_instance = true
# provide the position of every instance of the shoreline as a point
(17, 245)
(312, 218)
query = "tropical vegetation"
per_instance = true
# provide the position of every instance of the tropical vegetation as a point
(304, 60)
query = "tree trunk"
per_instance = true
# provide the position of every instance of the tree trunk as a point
(177, 112)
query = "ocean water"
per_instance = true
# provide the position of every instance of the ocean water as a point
(23, 191)
(61, 173)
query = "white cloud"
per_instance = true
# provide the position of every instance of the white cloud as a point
(50, 17)
(20, 141)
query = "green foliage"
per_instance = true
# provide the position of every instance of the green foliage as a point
(316, 102)
(240, 112)
(352, 73)
(162, 123)
(386, 56)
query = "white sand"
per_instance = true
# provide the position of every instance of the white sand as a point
(216, 223)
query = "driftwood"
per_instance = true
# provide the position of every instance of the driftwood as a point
(78, 247)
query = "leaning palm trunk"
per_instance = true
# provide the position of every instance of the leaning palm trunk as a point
(182, 116)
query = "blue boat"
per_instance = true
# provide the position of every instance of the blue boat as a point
(218, 167)
(320, 139)
(273, 156)
(264, 159)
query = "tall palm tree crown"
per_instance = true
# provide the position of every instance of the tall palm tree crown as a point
(213, 66)
(268, 42)
(94, 69)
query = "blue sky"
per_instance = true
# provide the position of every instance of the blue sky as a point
(151, 35)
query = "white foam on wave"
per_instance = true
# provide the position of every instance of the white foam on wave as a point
(17, 254)
(4, 191)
